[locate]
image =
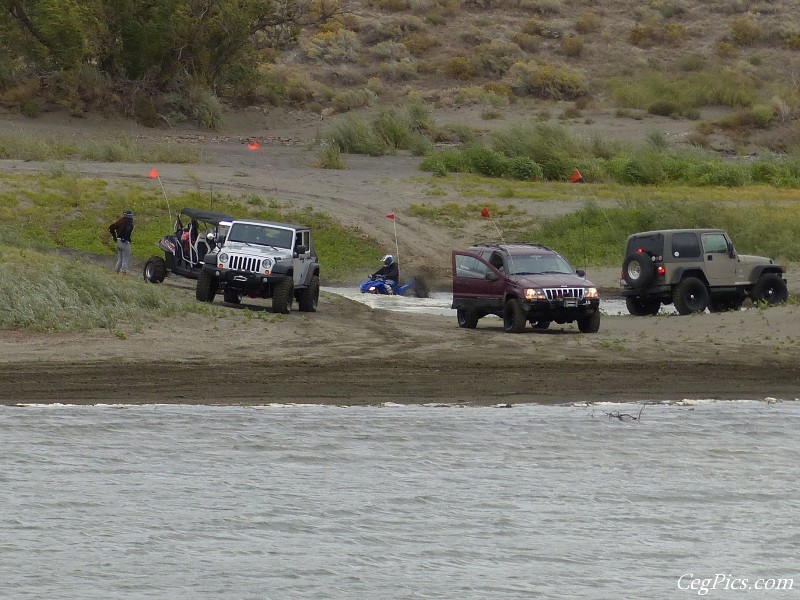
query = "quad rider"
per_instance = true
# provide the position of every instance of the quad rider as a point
(389, 272)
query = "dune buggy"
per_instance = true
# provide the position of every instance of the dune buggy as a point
(196, 233)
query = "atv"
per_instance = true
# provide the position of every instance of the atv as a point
(186, 247)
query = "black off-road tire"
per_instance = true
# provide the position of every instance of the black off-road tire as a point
(467, 319)
(770, 288)
(155, 269)
(638, 270)
(513, 317)
(308, 298)
(231, 296)
(206, 287)
(642, 307)
(690, 296)
(283, 296)
(590, 324)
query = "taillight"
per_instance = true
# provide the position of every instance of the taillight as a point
(660, 270)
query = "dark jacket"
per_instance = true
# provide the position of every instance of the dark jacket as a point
(122, 229)
(389, 272)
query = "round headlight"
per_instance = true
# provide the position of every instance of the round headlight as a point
(223, 257)
(266, 264)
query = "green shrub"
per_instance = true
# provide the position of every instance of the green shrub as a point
(588, 22)
(461, 68)
(330, 157)
(527, 42)
(398, 70)
(524, 169)
(355, 136)
(485, 161)
(495, 57)
(665, 108)
(789, 39)
(533, 27)
(449, 160)
(197, 104)
(350, 99)
(419, 43)
(572, 45)
(745, 30)
(545, 81)
(333, 47)
(725, 49)
(390, 51)
(763, 115)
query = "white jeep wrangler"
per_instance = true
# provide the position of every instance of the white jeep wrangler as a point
(263, 259)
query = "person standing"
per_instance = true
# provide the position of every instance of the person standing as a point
(121, 230)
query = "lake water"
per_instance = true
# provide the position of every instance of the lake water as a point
(285, 502)
(439, 302)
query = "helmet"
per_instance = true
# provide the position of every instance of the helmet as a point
(388, 259)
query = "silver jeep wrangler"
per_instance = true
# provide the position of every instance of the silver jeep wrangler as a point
(695, 269)
(263, 259)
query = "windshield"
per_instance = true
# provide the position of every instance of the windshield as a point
(538, 264)
(264, 235)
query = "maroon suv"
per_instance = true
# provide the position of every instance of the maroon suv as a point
(522, 283)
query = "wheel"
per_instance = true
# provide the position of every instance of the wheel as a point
(770, 288)
(513, 317)
(282, 296)
(641, 307)
(206, 287)
(638, 270)
(690, 296)
(467, 319)
(540, 324)
(232, 296)
(309, 297)
(725, 303)
(590, 324)
(155, 269)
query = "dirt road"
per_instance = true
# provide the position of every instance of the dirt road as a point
(350, 354)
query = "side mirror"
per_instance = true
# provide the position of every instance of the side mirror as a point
(491, 276)
(301, 249)
(731, 251)
(580, 272)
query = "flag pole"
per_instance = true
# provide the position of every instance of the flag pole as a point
(396, 245)
(169, 210)
(153, 174)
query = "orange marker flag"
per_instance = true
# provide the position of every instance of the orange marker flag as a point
(254, 145)
(390, 216)
(576, 177)
(485, 213)
(153, 174)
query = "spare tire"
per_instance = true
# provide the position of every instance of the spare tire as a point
(638, 270)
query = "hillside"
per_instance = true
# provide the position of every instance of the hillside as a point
(724, 68)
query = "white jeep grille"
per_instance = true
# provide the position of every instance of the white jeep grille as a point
(244, 263)
(556, 293)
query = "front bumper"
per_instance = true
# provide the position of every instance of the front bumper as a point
(247, 281)
(566, 309)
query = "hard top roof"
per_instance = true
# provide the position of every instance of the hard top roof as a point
(207, 216)
(271, 223)
(515, 248)
(669, 231)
